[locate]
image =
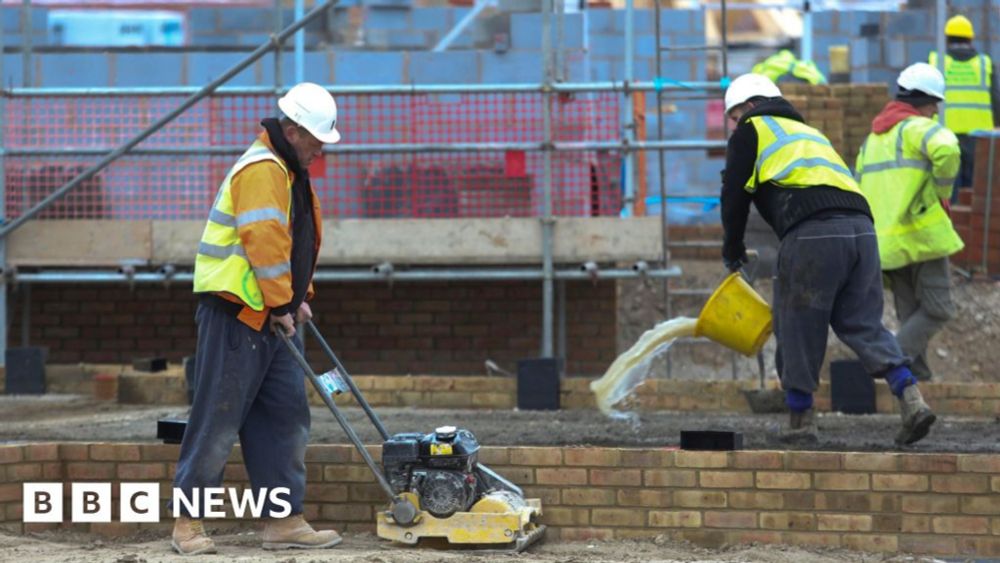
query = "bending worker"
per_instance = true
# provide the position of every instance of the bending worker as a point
(783, 66)
(828, 266)
(971, 99)
(254, 273)
(906, 168)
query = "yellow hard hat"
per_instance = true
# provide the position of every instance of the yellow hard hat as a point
(959, 26)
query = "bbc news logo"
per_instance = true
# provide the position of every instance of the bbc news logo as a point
(140, 502)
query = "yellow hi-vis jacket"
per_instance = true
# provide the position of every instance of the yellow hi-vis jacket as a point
(245, 251)
(905, 173)
(790, 154)
(967, 94)
(784, 62)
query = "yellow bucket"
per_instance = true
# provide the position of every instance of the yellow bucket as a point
(736, 316)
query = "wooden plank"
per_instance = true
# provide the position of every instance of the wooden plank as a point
(81, 242)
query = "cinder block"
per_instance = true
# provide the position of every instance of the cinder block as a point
(512, 66)
(365, 67)
(243, 19)
(444, 68)
(526, 31)
(387, 18)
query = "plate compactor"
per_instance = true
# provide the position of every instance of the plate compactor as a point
(436, 487)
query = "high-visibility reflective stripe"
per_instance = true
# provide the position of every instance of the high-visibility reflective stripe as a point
(944, 182)
(783, 139)
(927, 137)
(264, 214)
(221, 218)
(985, 107)
(271, 272)
(221, 252)
(893, 164)
(810, 163)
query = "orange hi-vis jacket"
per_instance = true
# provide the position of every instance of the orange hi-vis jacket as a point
(246, 248)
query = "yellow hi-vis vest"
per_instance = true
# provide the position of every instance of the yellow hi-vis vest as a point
(967, 93)
(905, 173)
(221, 263)
(784, 62)
(790, 154)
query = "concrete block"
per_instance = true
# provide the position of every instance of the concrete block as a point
(72, 69)
(824, 22)
(214, 39)
(387, 18)
(572, 34)
(202, 20)
(575, 70)
(919, 49)
(366, 67)
(607, 45)
(526, 31)
(908, 22)
(204, 67)
(895, 53)
(432, 18)
(512, 66)
(244, 19)
(388, 4)
(645, 46)
(600, 70)
(253, 39)
(676, 69)
(133, 69)
(601, 20)
(12, 73)
(642, 21)
(674, 21)
(444, 68)
(12, 19)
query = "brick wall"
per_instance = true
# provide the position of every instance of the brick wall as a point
(941, 504)
(969, 216)
(447, 328)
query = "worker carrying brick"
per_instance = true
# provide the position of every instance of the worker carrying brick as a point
(785, 66)
(828, 271)
(971, 100)
(253, 274)
(907, 168)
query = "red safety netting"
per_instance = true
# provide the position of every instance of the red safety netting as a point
(423, 184)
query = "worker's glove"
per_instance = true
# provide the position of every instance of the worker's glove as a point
(737, 264)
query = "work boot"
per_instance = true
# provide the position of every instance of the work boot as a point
(917, 416)
(189, 537)
(801, 429)
(295, 532)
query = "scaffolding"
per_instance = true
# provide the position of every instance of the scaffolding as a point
(547, 149)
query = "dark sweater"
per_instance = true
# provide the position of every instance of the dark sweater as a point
(782, 208)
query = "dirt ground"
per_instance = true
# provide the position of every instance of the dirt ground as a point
(964, 351)
(244, 547)
(69, 418)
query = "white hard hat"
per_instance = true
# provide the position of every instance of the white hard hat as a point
(750, 86)
(922, 77)
(312, 107)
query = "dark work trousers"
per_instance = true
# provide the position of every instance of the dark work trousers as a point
(922, 293)
(829, 275)
(247, 385)
(968, 165)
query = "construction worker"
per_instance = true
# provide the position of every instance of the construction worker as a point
(253, 273)
(971, 100)
(784, 66)
(907, 168)
(828, 267)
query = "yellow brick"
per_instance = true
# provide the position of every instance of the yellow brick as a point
(536, 456)
(764, 501)
(675, 518)
(930, 504)
(899, 482)
(634, 458)
(916, 525)
(823, 461)
(788, 521)
(644, 497)
(493, 455)
(561, 476)
(493, 400)
(588, 497)
(960, 525)
(884, 543)
(995, 484)
(700, 499)
(586, 534)
(596, 457)
(616, 477)
(349, 473)
(558, 516)
(783, 480)
(726, 479)
(959, 483)
(518, 474)
(817, 539)
(843, 522)
(669, 478)
(618, 517)
(758, 460)
(989, 505)
(927, 463)
(929, 544)
(871, 462)
(701, 459)
(730, 519)
(979, 463)
(114, 452)
(841, 481)
(550, 496)
(450, 399)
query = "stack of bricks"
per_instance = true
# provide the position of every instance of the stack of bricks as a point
(862, 102)
(977, 215)
(820, 110)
